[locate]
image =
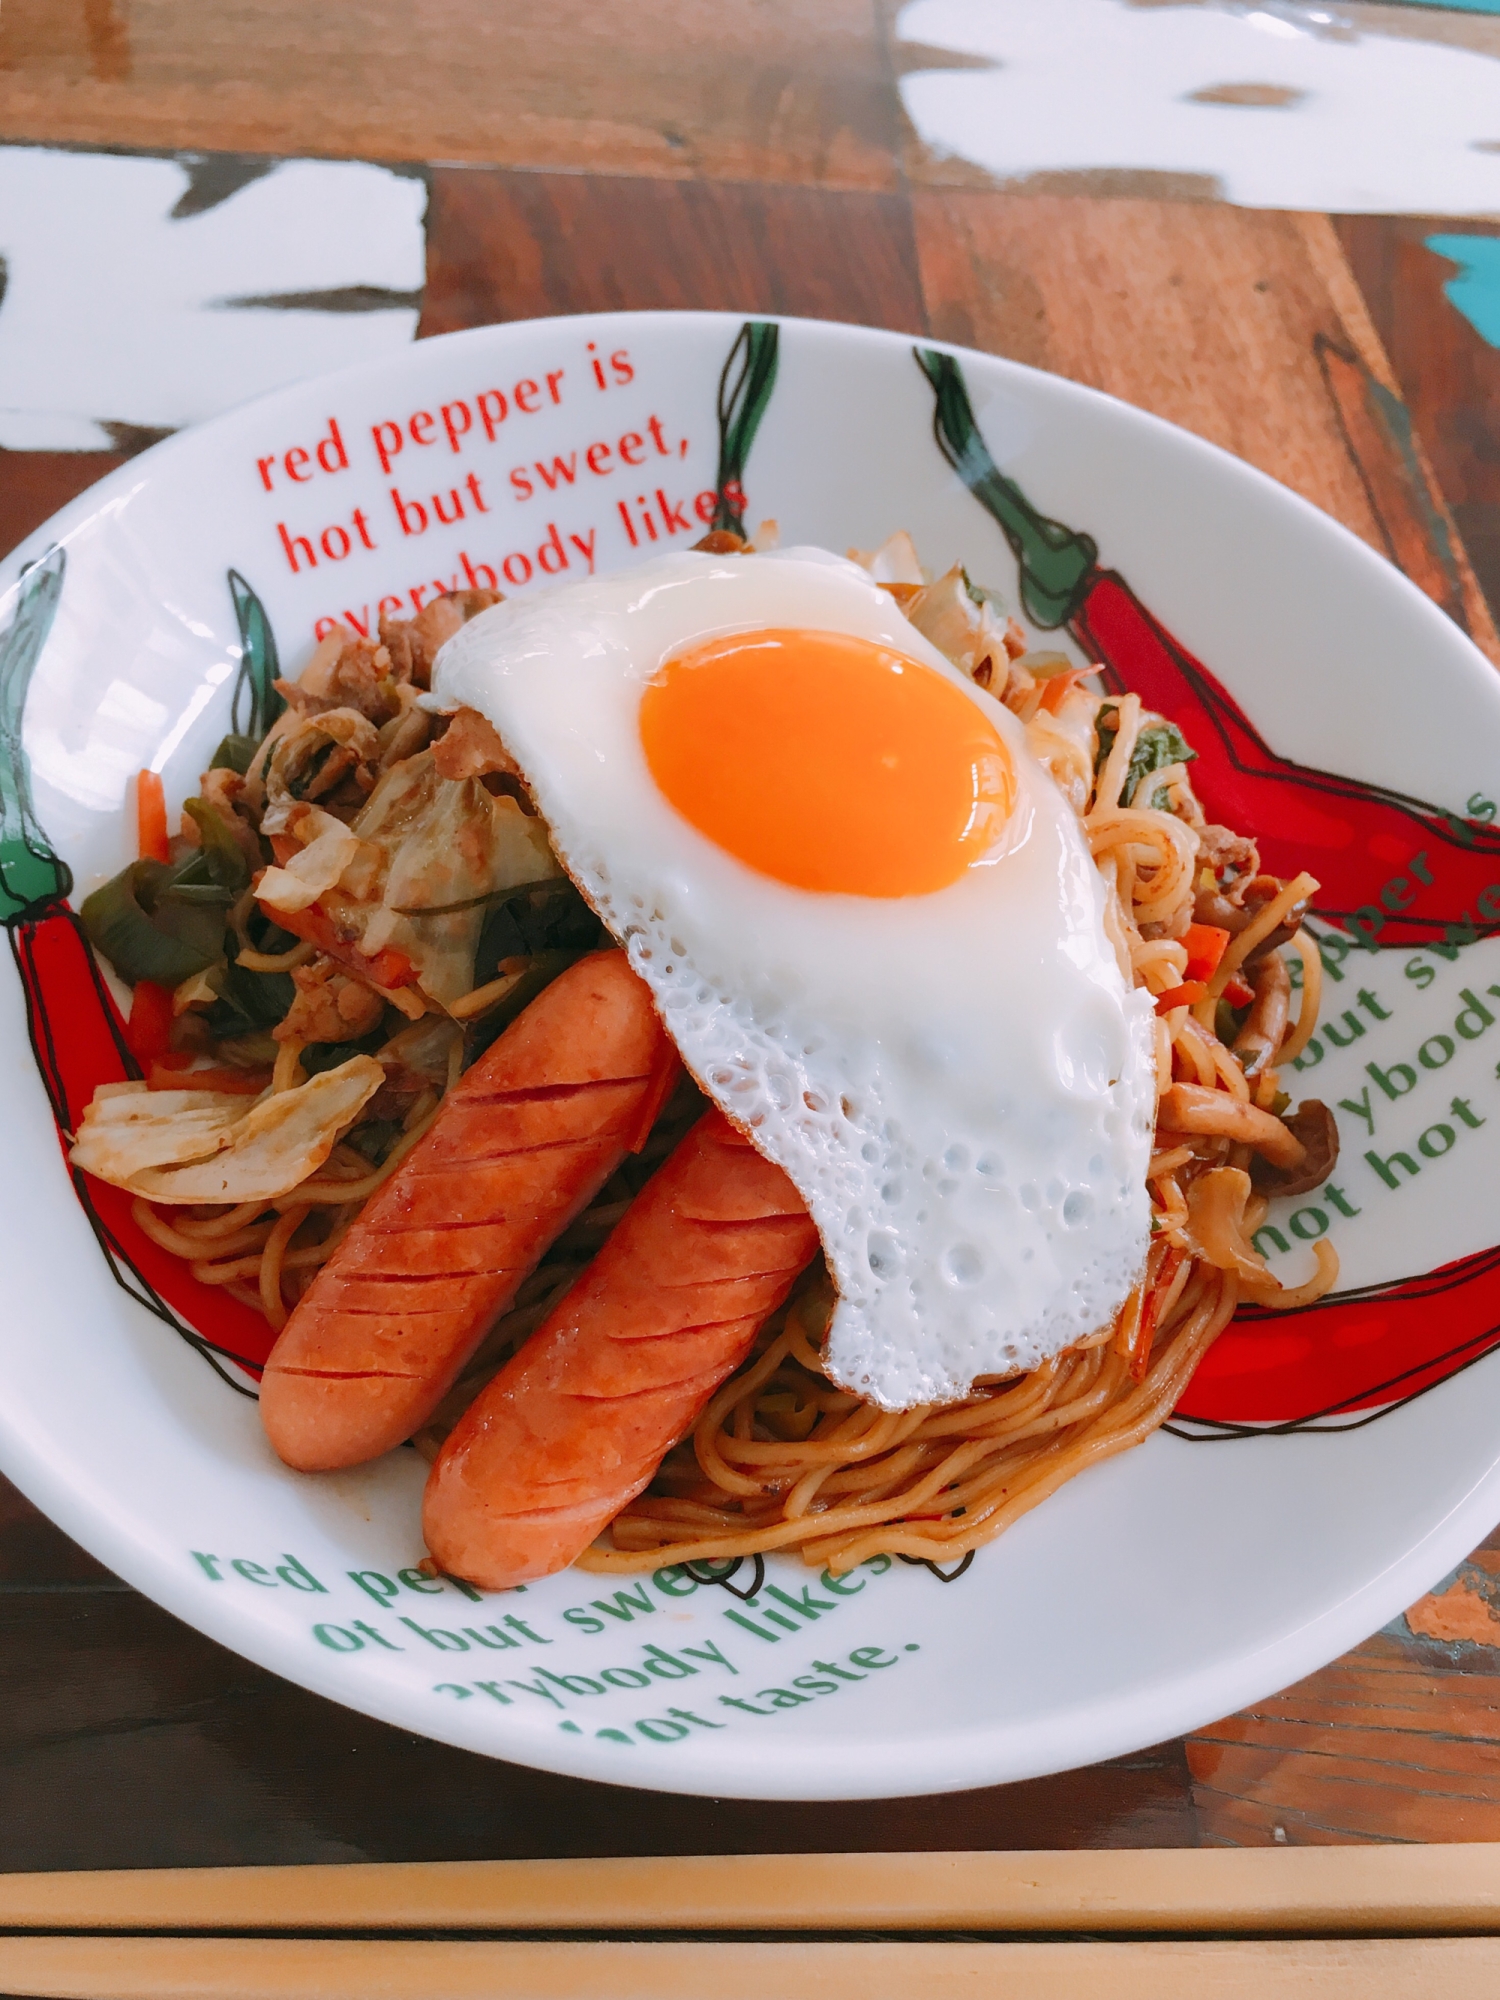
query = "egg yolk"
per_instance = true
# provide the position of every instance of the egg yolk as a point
(828, 762)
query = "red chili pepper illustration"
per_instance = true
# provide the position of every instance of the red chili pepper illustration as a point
(79, 1042)
(1354, 837)
(1371, 1349)
(1377, 1347)
(77, 1035)
(1362, 842)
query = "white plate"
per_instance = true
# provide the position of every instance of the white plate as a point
(1149, 1596)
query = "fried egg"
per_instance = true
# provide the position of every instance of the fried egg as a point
(873, 928)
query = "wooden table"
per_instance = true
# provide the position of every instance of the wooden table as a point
(754, 158)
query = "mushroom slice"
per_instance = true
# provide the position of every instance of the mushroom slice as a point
(1265, 1026)
(1317, 1129)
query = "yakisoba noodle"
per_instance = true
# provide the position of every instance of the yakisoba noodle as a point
(782, 1457)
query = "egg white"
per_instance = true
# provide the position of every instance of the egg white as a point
(960, 1085)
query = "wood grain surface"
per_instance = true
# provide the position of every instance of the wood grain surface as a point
(507, 245)
(294, 1969)
(755, 159)
(1449, 374)
(770, 90)
(1400, 1890)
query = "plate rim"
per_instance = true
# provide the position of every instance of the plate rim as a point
(918, 1765)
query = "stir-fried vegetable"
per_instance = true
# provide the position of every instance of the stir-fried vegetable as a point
(341, 903)
(205, 1146)
(155, 922)
(163, 920)
(1159, 745)
(223, 858)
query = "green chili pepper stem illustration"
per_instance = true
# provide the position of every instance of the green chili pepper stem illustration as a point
(31, 875)
(260, 665)
(743, 397)
(1056, 562)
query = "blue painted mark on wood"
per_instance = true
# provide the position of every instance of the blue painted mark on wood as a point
(1476, 289)
(1458, 6)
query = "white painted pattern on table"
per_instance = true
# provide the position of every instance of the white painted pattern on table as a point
(118, 313)
(1276, 105)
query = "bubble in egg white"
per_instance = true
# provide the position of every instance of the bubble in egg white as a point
(964, 1264)
(913, 1063)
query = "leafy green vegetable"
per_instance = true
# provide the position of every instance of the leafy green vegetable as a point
(251, 1002)
(1155, 748)
(150, 924)
(208, 893)
(301, 781)
(234, 754)
(1228, 1021)
(248, 1000)
(222, 855)
(164, 921)
(318, 1056)
(533, 919)
(547, 923)
(980, 594)
(547, 885)
(1107, 728)
(374, 1138)
(269, 937)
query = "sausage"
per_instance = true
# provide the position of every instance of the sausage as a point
(521, 1145)
(576, 1423)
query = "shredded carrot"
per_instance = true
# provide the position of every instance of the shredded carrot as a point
(1205, 947)
(150, 1024)
(170, 1072)
(151, 817)
(388, 969)
(1187, 995)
